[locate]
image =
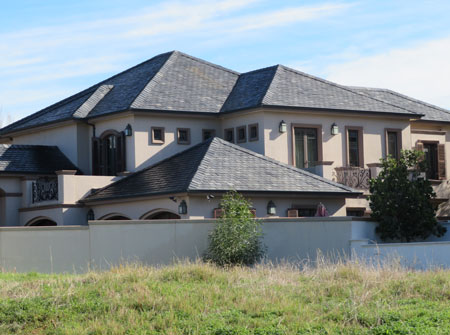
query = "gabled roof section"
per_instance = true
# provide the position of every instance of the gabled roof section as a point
(33, 159)
(218, 166)
(430, 112)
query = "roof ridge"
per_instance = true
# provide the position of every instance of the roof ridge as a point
(276, 67)
(406, 97)
(151, 83)
(345, 88)
(287, 166)
(205, 62)
(151, 166)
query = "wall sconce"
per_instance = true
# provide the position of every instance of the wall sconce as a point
(334, 129)
(128, 131)
(90, 215)
(271, 208)
(282, 128)
(182, 208)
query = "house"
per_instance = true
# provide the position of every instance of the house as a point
(140, 144)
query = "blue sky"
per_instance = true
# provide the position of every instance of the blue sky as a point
(52, 49)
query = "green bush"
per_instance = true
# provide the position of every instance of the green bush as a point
(236, 238)
(400, 200)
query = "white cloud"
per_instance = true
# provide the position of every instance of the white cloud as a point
(421, 71)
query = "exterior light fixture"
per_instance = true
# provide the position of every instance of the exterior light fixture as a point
(334, 129)
(90, 215)
(182, 207)
(128, 131)
(283, 127)
(271, 208)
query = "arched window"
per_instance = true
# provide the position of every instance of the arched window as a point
(114, 216)
(160, 215)
(108, 153)
(41, 221)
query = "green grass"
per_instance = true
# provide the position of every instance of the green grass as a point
(202, 299)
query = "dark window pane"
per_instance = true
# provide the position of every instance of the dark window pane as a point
(241, 134)
(306, 147)
(353, 147)
(392, 144)
(157, 134)
(308, 212)
(229, 135)
(182, 135)
(253, 132)
(431, 159)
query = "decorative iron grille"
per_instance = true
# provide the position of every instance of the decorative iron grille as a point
(44, 189)
(354, 177)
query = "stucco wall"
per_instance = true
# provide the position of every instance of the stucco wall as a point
(63, 136)
(279, 145)
(199, 207)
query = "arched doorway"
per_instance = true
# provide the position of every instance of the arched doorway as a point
(160, 215)
(114, 216)
(41, 222)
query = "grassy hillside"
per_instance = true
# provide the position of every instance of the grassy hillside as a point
(202, 299)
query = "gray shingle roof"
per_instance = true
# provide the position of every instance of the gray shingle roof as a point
(32, 159)
(217, 166)
(430, 112)
(177, 82)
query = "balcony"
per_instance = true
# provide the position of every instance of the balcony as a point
(354, 177)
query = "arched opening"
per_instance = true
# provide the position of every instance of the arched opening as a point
(114, 216)
(160, 214)
(41, 222)
(108, 153)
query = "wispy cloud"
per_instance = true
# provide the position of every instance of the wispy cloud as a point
(421, 71)
(47, 55)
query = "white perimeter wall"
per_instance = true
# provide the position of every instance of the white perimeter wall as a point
(106, 243)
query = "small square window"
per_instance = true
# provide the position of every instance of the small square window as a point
(157, 135)
(229, 135)
(208, 133)
(184, 135)
(241, 134)
(253, 132)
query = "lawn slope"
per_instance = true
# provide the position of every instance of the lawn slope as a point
(202, 299)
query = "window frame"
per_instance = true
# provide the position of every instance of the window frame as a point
(399, 140)
(232, 134)
(188, 134)
(163, 136)
(213, 133)
(250, 126)
(318, 128)
(360, 145)
(237, 134)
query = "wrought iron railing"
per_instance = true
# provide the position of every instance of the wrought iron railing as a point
(44, 189)
(354, 177)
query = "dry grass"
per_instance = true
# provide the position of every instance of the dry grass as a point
(198, 298)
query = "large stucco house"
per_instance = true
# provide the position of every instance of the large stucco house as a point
(166, 138)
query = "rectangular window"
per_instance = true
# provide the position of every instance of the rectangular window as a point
(241, 134)
(393, 142)
(157, 135)
(431, 158)
(306, 147)
(253, 132)
(229, 135)
(208, 133)
(184, 136)
(355, 146)
(355, 211)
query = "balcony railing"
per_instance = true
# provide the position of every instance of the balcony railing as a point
(44, 189)
(354, 177)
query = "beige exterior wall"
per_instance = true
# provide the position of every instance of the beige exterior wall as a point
(279, 146)
(245, 119)
(148, 153)
(199, 207)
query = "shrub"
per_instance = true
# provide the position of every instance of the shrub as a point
(236, 238)
(400, 199)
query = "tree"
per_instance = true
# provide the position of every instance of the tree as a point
(236, 238)
(400, 199)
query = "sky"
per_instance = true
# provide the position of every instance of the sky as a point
(52, 49)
